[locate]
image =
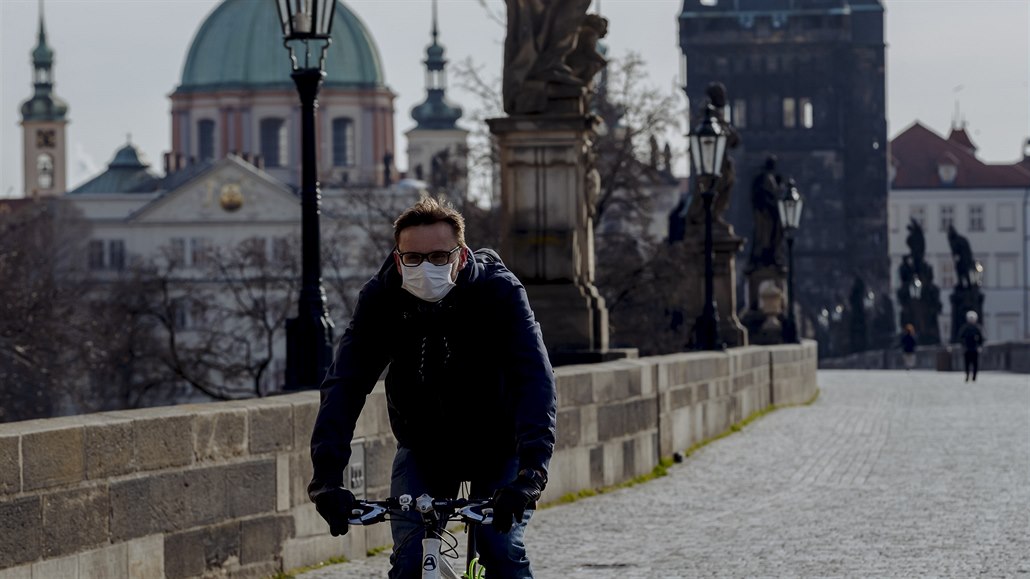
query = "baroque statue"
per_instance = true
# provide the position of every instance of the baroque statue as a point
(767, 241)
(962, 253)
(918, 295)
(550, 43)
(967, 295)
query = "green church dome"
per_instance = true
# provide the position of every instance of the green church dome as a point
(240, 45)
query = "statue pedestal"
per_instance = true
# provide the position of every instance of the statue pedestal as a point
(726, 245)
(548, 191)
(767, 292)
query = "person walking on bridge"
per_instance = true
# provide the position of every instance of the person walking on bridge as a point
(972, 343)
(463, 347)
(908, 346)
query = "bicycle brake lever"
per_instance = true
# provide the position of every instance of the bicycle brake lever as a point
(373, 514)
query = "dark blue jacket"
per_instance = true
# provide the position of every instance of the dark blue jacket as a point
(469, 380)
(971, 337)
(908, 343)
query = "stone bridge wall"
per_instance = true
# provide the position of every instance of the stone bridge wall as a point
(1000, 356)
(219, 489)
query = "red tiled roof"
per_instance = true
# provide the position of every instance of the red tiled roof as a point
(917, 151)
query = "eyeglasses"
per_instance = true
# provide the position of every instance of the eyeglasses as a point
(413, 258)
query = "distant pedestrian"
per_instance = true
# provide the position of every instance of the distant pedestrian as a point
(972, 342)
(908, 346)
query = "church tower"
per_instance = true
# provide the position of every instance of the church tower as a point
(437, 147)
(43, 121)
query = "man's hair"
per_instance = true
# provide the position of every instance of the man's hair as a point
(428, 211)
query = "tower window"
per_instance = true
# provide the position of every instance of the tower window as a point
(273, 142)
(96, 254)
(807, 113)
(116, 254)
(740, 113)
(205, 139)
(976, 217)
(789, 113)
(947, 216)
(343, 142)
(44, 171)
(918, 213)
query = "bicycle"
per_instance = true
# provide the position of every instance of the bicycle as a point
(434, 515)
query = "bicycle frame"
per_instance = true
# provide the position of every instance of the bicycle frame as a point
(435, 514)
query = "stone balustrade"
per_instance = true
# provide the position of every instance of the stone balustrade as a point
(220, 488)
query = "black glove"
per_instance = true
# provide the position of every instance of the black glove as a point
(335, 506)
(510, 502)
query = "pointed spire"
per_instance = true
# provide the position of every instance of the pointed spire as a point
(42, 56)
(435, 112)
(43, 105)
(42, 27)
(435, 29)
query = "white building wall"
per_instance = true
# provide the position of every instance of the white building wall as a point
(1002, 247)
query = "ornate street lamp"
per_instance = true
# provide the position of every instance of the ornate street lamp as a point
(790, 217)
(307, 25)
(707, 149)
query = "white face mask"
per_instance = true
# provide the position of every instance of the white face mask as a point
(427, 281)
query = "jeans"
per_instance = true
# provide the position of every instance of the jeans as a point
(972, 362)
(502, 554)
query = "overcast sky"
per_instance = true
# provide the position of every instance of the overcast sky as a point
(118, 60)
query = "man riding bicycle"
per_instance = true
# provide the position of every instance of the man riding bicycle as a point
(461, 341)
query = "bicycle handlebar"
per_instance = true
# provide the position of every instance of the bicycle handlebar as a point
(467, 511)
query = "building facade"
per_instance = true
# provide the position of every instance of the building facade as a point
(805, 82)
(236, 97)
(939, 182)
(231, 177)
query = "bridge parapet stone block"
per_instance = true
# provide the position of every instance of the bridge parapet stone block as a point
(75, 520)
(218, 433)
(163, 437)
(271, 426)
(191, 553)
(251, 487)
(110, 446)
(111, 562)
(20, 531)
(10, 464)
(262, 539)
(52, 452)
(305, 409)
(574, 385)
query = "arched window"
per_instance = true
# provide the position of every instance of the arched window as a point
(343, 142)
(273, 142)
(205, 140)
(44, 171)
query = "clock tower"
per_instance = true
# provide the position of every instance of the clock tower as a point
(43, 121)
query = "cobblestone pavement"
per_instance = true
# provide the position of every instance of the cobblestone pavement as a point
(888, 474)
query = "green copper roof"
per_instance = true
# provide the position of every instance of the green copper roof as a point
(128, 172)
(240, 45)
(42, 55)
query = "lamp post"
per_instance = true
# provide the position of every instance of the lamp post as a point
(307, 25)
(790, 207)
(707, 149)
